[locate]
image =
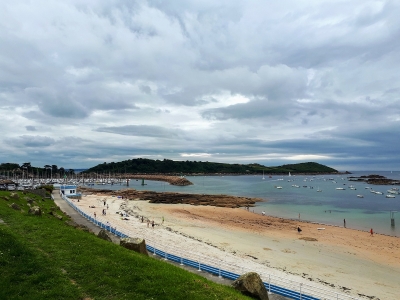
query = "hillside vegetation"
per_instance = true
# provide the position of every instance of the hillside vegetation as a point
(148, 166)
(42, 257)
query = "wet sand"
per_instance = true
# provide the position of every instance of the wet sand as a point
(344, 260)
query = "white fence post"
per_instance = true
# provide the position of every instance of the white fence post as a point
(269, 283)
(300, 290)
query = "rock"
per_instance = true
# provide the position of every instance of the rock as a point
(250, 284)
(135, 244)
(15, 206)
(14, 195)
(55, 215)
(103, 234)
(78, 226)
(35, 210)
(71, 223)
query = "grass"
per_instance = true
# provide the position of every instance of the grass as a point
(42, 257)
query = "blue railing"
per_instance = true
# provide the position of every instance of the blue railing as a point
(210, 269)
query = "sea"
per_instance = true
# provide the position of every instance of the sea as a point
(298, 197)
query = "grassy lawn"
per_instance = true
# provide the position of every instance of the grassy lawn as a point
(42, 257)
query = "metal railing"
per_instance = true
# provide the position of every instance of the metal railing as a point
(274, 284)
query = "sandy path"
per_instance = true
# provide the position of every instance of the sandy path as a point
(345, 260)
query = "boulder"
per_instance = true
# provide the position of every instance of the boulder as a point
(250, 284)
(15, 206)
(135, 244)
(56, 215)
(14, 195)
(35, 210)
(103, 234)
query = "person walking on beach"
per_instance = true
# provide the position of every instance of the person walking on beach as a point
(299, 229)
(372, 232)
(152, 224)
(142, 219)
(344, 223)
(94, 215)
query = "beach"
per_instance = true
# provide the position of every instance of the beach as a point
(343, 260)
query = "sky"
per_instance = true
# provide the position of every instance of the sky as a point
(84, 82)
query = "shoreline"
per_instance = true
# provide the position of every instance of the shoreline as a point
(349, 259)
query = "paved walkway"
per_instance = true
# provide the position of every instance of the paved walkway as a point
(77, 218)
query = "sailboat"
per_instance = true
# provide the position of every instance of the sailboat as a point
(263, 175)
(290, 174)
(319, 190)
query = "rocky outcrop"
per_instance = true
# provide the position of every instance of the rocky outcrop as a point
(250, 284)
(135, 244)
(35, 210)
(78, 226)
(174, 180)
(15, 206)
(375, 179)
(103, 234)
(14, 195)
(56, 215)
(180, 198)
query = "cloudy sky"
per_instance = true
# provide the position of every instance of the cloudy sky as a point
(273, 82)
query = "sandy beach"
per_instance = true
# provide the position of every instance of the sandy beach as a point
(344, 260)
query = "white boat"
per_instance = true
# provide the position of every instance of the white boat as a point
(360, 196)
(379, 193)
(390, 196)
(392, 191)
(278, 187)
(289, 174)
(352, 187)
(340, 188)
(319, 190)
(263, 176)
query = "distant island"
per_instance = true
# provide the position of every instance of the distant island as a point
(143, 166)
(375, 179)
(170, 167)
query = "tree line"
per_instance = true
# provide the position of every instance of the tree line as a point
(166, 166)
(26, 170)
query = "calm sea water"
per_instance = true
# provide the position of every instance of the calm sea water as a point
(331, 206)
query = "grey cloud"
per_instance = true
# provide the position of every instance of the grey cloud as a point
(30, 128)
(329, 75)
(31, 141)
(143, 130)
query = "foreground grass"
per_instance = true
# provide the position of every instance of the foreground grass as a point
(42, 257)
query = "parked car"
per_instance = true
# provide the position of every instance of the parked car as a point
(11, 187)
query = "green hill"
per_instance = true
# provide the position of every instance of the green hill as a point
(42, 257)
(166, 166)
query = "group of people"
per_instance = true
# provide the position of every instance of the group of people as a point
(152, 223)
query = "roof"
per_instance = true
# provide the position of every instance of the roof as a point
(7, 181)
(69, 187)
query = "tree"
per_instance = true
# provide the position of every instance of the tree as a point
(47, 167)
